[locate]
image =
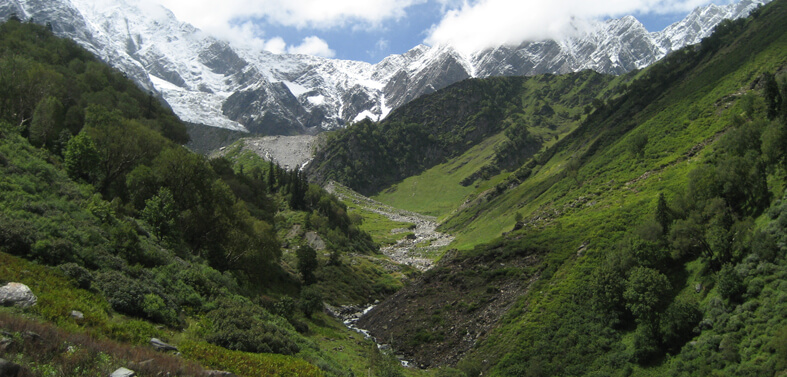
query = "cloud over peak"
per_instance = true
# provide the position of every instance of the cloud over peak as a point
(480, 24)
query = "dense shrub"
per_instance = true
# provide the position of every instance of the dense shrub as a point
(245, 328)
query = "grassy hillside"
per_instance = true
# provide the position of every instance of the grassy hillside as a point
(436, 128)
(657, 225)
(103, 212)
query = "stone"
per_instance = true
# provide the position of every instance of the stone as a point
(315, 241)
(9, 369)
(4, 343)
(142, 364)
(75, 314)
(17, 294)
(218, 373)
(123, 372)
(161, 346)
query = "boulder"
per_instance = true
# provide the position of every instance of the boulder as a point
(9, 369)
(161, 346)
(123, 372)
(17, 294)
(75, 314)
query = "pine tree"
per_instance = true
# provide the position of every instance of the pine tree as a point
(663, 213)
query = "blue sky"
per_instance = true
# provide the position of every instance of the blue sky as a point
(370, 30)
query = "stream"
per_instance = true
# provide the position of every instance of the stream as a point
(351, 314)
(418, 251)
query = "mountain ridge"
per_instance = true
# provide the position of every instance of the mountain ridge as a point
(208, 81)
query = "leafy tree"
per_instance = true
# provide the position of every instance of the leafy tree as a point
(687, 238)
(729, 283)
(307, 264)
(637, 145)
(774, 143)
(81, 159)
(647, 293)
(663, 213)
(160, 213)
(677, 324)
(122, 145)
(46, 123)
(773, 98)
(311, 301)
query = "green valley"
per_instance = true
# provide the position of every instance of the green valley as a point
(576, 224)
(645, 240)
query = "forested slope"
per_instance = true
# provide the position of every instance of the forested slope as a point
(102, 211)
(435, 128)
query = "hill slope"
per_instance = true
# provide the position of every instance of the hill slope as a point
(628, 281)
(102, 212)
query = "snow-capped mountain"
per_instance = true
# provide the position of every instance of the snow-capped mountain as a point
(208, 81)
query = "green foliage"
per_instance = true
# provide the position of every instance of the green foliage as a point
(160, 213)
(81, 158)
(307, 264)
(46, 123)
(434, 128)
(647, 293)
(637, 145)
(243, 363)
(243, 327)
(677, 324)
(729, 283)
(310, 301)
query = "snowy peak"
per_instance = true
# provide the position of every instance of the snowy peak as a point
(208, 81)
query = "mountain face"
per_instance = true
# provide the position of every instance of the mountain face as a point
(208, 81)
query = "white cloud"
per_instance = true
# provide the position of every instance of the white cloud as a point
(207, 14)
(312, 46)
(481, 24)
(276, 45)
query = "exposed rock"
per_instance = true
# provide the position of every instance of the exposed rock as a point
(218, 373)
(29, 335)
(4, 343)
(315, 241)
(17, 294)
(123, 372)
(9, 369)
(142, 364)
(468, 295)
(161, 346)
(698, 287)
(75, 314)
(288, 151)
(414, 249)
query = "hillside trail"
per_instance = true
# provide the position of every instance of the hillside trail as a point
(419, 251)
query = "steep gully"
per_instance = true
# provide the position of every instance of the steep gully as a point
(418, 251)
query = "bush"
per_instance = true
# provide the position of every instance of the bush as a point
(81, 276)
(646, 346)
(730, 283)
(677, 324)
(647, 291)
(16, 236)
(311, 301)
(123, 293)
(157, 310)
(244, 328)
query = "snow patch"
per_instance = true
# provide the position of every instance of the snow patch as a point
(296, 89)
(316, 100)
(365, 114)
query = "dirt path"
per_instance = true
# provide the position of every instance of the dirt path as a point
(419, 252)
